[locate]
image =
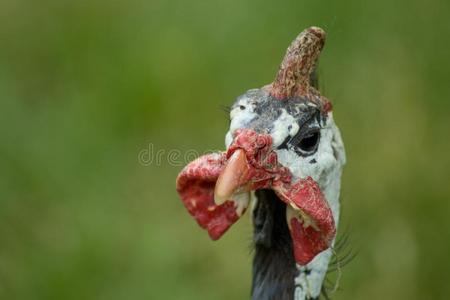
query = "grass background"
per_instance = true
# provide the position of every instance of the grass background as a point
(86, 85)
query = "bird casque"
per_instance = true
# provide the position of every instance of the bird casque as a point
(284, 155)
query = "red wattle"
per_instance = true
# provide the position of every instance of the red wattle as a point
(195, 185)
(317, 237)
(307, 242)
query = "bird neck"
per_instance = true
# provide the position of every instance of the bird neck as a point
(274, 268)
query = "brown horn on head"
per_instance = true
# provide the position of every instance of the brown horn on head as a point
(293, 77)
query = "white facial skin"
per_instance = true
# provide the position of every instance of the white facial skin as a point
(330, 157)
(326, 171)
(239, 118)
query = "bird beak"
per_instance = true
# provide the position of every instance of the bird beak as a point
(234, 179)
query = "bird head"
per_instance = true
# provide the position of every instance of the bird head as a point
(282, 137)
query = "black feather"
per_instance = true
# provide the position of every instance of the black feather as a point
(274, 267)
(225, 108)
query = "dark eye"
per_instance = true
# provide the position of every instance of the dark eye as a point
(309, 142)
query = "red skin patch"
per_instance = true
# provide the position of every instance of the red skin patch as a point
(307, 196)
(327, 106)
(196, 183)
(263, 161)
(307, 242)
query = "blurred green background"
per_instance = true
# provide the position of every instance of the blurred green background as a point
(85, 86)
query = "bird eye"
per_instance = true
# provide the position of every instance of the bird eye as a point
(309, 142)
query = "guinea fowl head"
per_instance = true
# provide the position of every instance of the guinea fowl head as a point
(285, 152)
